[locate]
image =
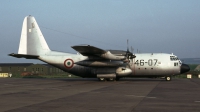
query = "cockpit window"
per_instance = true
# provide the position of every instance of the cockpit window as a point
(180, 62)
(173, 58)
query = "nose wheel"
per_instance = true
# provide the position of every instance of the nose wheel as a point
(168, 78)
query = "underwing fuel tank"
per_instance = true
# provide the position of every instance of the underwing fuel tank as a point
(122, 71)
(100, 63)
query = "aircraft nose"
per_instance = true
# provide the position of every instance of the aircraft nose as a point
(185, 68)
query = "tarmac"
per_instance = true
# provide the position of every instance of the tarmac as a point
(91, 95)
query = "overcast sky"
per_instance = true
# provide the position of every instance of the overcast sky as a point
(152, 26)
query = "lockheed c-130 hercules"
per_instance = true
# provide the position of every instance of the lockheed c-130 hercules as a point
(93, 62)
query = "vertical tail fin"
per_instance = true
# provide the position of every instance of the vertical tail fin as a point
(32, 41)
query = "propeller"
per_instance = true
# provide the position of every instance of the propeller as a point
(132, 49)
(129, 55)
(133, 56)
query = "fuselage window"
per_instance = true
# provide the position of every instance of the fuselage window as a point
(175, 64)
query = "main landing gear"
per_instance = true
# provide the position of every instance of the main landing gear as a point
(101, 79)
(108, 79)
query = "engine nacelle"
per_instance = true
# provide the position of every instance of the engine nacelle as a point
(122, 71)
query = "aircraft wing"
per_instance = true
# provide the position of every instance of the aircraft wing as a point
(88, 50)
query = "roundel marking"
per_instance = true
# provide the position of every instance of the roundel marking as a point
(68, 63)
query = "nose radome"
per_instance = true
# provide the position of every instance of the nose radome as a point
(184, 68)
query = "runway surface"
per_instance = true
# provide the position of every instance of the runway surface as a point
(90, 95)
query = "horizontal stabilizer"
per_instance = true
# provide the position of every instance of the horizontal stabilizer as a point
(88, 50)
(24, 56)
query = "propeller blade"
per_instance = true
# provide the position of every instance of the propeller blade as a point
(127, 46)
(132, 49)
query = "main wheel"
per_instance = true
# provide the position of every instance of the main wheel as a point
(102, 79)
(111, 79)
(168, 78)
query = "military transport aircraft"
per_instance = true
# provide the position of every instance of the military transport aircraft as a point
(93, 62)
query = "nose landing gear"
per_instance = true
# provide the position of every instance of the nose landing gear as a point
(168, 78)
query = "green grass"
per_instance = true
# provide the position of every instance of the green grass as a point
(59, 76)
(66, 75)
(193, 66)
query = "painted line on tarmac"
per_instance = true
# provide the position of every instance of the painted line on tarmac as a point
(140, 96)
(135, 96)
(150, 97)
(197, 101)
